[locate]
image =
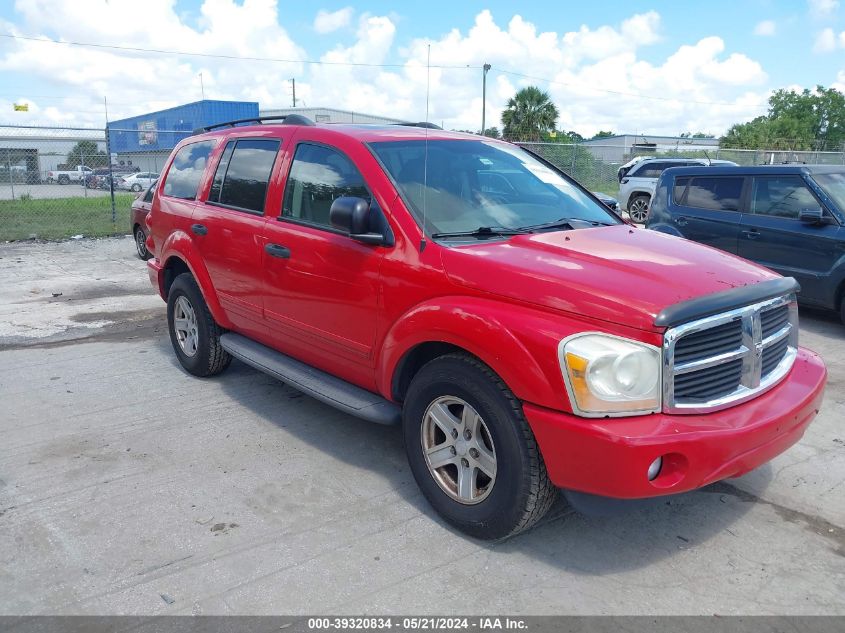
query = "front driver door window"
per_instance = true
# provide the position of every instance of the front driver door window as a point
(773, 235)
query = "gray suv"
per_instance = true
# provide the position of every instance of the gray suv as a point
(636, 186)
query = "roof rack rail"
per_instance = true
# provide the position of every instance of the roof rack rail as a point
(286, 119)
(430, 126)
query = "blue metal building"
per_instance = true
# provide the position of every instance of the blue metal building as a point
(159, 131)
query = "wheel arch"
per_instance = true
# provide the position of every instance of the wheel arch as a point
(483, 329)
(180, 256)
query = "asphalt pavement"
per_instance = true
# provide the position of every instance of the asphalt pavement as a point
(130, 487)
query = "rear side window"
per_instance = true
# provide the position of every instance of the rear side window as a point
(781, 196)
(186, 171)
(243, 174)
(649, 170)
(317, 177)
(713, 193)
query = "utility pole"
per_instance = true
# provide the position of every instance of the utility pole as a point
(293, 87)
(486, 67)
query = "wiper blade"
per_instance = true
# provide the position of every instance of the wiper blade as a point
(563, 223)
(484, 231)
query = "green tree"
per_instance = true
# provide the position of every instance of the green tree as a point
(602, 134)
(86, 153)
(795, 120)
(528, 114)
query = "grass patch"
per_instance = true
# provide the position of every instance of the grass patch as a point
(57, 218)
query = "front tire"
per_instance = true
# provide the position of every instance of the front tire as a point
(194, 333)
(471, 451)
(638, 208)
(136, 187)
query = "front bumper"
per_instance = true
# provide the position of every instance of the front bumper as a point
(610, 456)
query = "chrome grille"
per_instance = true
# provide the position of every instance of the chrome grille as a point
(721, 360)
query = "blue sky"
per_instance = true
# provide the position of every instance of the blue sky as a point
(678, 65)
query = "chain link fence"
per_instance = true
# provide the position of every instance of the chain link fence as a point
(61, 182)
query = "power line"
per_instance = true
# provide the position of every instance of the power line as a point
(628, 94)
(136, 49)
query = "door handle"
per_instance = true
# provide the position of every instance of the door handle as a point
(277, 250)
(681, 221)
(199, 229)
(753, 234)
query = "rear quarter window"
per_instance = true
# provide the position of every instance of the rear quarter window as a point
(186, 170)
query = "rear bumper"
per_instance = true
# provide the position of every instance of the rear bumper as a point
(610, 457)
(156, 272)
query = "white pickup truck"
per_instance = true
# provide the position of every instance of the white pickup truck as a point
(69, 176)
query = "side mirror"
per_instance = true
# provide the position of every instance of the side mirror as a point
(353, 216)
(811, 216)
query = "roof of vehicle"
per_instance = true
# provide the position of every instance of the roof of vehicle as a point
(751, 170)
(362, 132)
(687, 160)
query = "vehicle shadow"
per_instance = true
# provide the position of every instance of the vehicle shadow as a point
(648, 530)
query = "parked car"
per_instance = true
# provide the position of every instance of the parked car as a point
(786, 217)
(637, 185)
(525, 341)
(608, 201)
(136, 182)
(137, 216)
(67, 176)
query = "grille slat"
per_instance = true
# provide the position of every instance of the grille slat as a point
(728, 381)
(774, 320)
(773, 354)
(709, 383)
(710, 342)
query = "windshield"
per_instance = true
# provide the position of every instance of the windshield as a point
(473, 184)
(834, 186)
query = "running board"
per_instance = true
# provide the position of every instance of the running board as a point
(317, 384)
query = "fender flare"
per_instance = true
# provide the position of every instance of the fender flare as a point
(486, 329)
(179, 245)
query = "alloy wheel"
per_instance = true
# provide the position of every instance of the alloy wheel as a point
(458, 450)
(639, 210)
(185, 326)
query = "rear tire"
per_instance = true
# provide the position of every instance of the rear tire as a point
(453, 390)
(64, 180)
(842, 309)
(194, 333)
(638, 208)
(141, 243)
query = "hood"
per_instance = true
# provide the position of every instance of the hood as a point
(620, 274)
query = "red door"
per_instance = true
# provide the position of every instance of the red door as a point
(228, 225)
(321, 287)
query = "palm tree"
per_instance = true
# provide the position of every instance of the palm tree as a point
(529, 113)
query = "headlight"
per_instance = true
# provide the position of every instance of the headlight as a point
(608, 375)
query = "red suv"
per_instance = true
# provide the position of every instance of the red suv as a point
(524, 336)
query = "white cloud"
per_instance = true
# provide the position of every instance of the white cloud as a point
(766, 28)
(699, 86)
(329, 21)
(823, 8)
(825, 41)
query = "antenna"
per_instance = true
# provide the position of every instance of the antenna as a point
(709, 160)
(425, 156)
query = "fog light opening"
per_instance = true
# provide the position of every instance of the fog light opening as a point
(654, 468)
